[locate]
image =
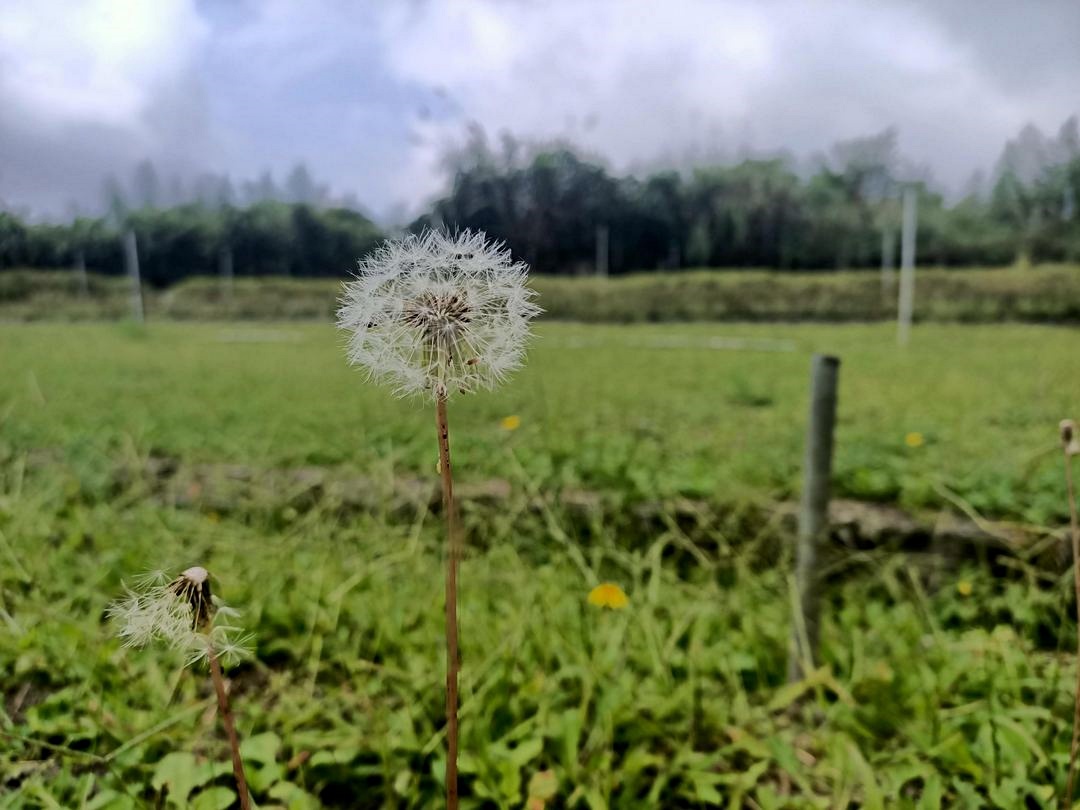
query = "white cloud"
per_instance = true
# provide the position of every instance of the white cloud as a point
(628, 79)
(90, 88)
(97, 61)
(635, 79)
(370, 94)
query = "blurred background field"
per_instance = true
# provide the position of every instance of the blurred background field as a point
(643, 411)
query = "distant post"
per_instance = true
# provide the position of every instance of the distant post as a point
(225, 264)
(80, 272)
(603, 247)
(813, 513)
(906, 304)
(131, 259)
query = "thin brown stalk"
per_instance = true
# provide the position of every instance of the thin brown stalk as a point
(230, 729)
(453, 557)
(1067, 443)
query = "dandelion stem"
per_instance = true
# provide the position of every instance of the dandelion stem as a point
(230, 729)
(453, 557)
(1074, 524)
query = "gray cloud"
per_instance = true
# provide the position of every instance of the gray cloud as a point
(48, 165)
(370, 95)
(1023, 48)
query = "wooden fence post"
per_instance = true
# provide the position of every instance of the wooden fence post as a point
(603, 250)
(225, 264)
(906, 305)
(813, 513)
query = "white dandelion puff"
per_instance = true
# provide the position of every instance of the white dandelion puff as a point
(183, 614)
(180, 613)
(437, 315)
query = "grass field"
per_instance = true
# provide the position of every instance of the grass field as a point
(1043, 294)
(939, 687)
(646, 411)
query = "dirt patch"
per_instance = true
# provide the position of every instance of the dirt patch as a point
(854, 525)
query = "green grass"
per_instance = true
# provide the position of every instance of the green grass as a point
(939, 688)
(1046, 294)
(646, 411)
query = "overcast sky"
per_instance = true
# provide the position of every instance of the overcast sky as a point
(369, 94)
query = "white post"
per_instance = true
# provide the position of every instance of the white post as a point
(603, 243)
(131, 258)
(906, 303)
(225, 264)
(80, 271)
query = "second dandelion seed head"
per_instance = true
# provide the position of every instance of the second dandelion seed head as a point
(193, 587)
(1069, 440)
(180, 613)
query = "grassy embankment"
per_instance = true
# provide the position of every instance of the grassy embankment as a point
(1048, 294)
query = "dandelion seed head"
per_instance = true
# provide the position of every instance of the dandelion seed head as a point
(1069, 440)
(196, 574)
(224, 641)
(180, 613)
(193, 587)
(437, 315)
(151, 578)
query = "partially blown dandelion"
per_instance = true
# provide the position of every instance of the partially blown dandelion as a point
(183, 614)
(180, 613)
(436, 315)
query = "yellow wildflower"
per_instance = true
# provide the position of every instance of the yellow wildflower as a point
(609, 595)
(963, 588)
(914, 439)
(512, 422)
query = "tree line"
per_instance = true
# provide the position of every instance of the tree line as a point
(560, 211)
(265, 238)
(566, 213)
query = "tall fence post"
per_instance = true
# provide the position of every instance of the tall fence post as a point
(131, 259)
(906, 304)
(603, 249)
(225, 263)
(813, 513)
(80, 273)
